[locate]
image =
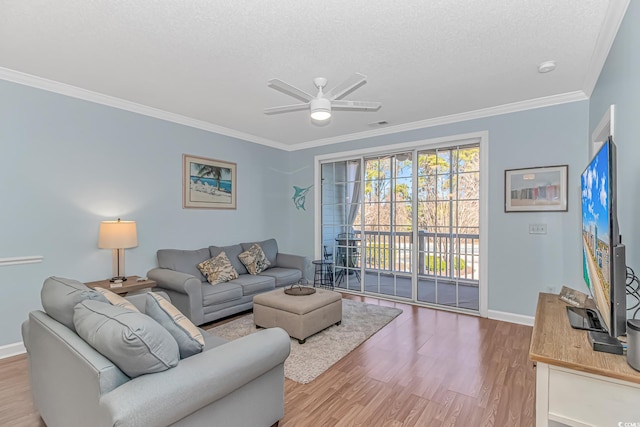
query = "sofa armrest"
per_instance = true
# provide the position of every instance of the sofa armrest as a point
(175, 280)
(167, 397)
(185, 291)
(298, 262)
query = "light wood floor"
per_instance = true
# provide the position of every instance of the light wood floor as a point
(426, 368)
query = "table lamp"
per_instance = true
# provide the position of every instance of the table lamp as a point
(118, 235)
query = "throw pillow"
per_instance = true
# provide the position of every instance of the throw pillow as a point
(133, 341)
(254, 259)
(218, 269)
(269, 247)
(59, 296)
(115, 299)
(187, 335)
(232, 252)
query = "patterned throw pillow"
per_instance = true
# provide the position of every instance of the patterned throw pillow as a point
(115, 299)
(254, 259)
(218, 269)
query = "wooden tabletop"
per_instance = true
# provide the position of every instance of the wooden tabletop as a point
(555, 342)
(130, 285)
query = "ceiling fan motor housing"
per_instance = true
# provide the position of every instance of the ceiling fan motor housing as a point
(320, 82)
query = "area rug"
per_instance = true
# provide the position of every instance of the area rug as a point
(322, 350)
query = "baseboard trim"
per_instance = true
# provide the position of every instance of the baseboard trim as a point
(511, 317)
(11, 350)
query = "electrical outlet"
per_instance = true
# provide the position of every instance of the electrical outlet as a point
(537, 228)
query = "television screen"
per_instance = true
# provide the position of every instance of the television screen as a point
(603, 254)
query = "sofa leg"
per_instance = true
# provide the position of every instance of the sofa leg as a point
(302, 341)
(276, 424)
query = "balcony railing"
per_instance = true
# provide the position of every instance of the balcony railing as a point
(446, 256)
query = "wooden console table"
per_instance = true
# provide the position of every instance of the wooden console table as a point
(574, 384)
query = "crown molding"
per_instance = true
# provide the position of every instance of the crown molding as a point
(99, 98)
(610, 26)
(110, 101)
(454, 118)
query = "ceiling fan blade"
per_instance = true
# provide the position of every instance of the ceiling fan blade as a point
(286, 108)
(346, 87)
(283, 87)
(356, 105)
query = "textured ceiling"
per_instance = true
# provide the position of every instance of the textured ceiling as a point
(210, 61)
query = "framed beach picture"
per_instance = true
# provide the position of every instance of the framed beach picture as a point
(208, 183)
(536, 189)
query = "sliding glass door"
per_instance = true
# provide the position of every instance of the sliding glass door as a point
(405, 224)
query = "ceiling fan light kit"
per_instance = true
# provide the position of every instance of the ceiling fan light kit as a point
(320, 105)
(320, 109)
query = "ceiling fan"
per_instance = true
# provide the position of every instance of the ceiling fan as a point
(322, 104)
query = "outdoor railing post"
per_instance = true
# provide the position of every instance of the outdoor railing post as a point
(421, 255)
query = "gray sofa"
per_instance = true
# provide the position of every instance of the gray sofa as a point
(238, 383)
(178, 275)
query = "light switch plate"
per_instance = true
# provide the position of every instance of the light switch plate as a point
(537, 228)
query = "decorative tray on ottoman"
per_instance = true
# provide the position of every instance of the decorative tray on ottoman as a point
(299, 290)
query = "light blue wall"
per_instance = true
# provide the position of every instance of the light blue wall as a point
(67, 164)
(520, 265)
(619, 84)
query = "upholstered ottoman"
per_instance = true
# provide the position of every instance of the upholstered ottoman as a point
(300, 316)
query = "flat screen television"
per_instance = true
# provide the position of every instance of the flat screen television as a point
(603, 254)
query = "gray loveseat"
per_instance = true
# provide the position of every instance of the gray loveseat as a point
(178, 275)
(238, 383)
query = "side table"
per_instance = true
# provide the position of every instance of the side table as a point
(131, 285)
(323, 275)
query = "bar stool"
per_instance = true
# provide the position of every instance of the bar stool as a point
(323, 275)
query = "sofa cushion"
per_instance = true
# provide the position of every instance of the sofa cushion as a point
(115, 299)
(254, 259)
(220, 293)
(252, 285)
(269, 247)
(283, 276)
(218, 269)
(60, 295)
(133, 341)
(232, 253)
(185, 261)
(187, 335)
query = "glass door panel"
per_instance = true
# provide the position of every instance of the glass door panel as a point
(341, 191)
(448, 224)
(387, 229)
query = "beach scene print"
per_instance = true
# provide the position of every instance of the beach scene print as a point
(210, 184)
(533, 189)
(536, 189)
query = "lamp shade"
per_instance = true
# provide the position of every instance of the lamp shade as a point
(118, 235)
